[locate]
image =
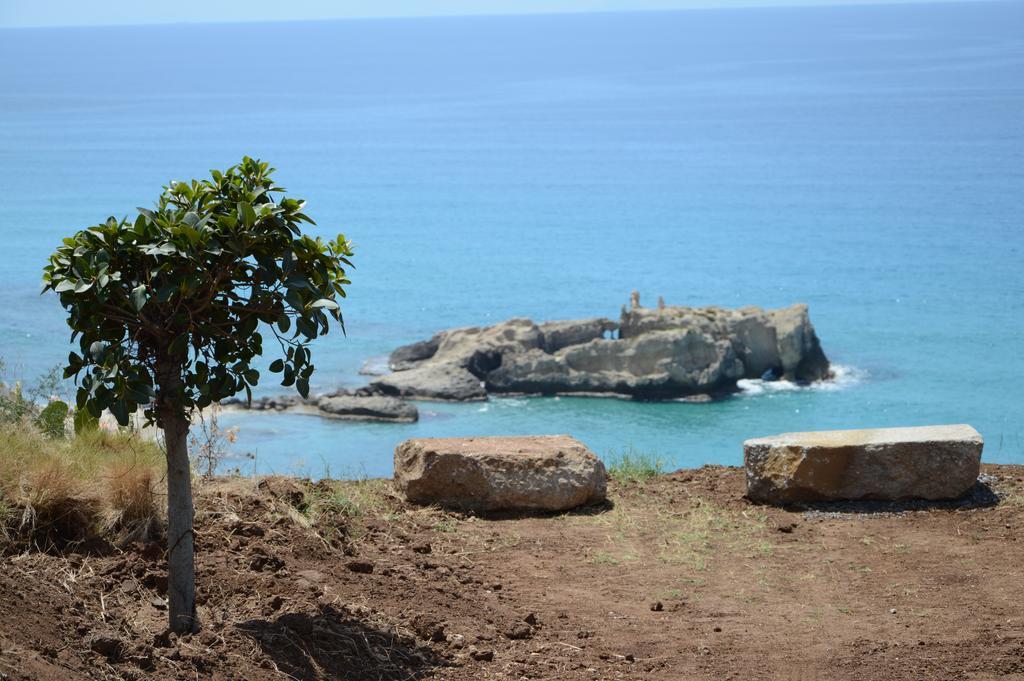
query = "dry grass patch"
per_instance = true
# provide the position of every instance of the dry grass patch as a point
(56, 491)
(1014, 498)
(691, 537)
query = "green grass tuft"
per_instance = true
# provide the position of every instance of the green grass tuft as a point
(633, 465)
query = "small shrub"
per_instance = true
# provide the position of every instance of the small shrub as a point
(632, 465)
(19, 404)
(52, 417)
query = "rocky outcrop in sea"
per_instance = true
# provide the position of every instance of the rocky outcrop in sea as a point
(650, 354)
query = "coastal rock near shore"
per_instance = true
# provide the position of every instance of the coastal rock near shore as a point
(358, 406)
(367, 408)
(481, 349)
(408, 356)
(660, 353)
(443, 383)
(265, 403)
(533, 473)
(931, 462)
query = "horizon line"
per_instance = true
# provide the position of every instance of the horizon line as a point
(782, 4)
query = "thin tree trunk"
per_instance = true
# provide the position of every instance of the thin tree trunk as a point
(181, 573)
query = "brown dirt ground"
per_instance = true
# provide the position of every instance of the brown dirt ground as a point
(676, 578)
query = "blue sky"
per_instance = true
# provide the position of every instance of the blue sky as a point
(14, 13)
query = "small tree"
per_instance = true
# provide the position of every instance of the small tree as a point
(166, 309)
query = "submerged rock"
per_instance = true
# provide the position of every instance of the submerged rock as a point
(931, 462)
(539, 473)
(663, 353)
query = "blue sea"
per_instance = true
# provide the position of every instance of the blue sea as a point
(868, 161)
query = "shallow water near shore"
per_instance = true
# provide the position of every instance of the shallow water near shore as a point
(864, 160)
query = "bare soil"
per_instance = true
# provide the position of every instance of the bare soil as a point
(676, 578)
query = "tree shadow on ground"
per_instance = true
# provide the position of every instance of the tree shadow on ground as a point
(334, 644)
(981, 495)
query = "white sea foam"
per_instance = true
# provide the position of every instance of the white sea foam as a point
(375, 366)
(507, 402)
(842, 377)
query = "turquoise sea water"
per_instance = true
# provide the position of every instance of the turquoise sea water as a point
(866, 160)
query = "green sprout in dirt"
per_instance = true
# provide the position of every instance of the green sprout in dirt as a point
(333, 508)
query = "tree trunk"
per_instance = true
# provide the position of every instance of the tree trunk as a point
(181, 572)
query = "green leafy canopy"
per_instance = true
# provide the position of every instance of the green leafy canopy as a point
(166, 307)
